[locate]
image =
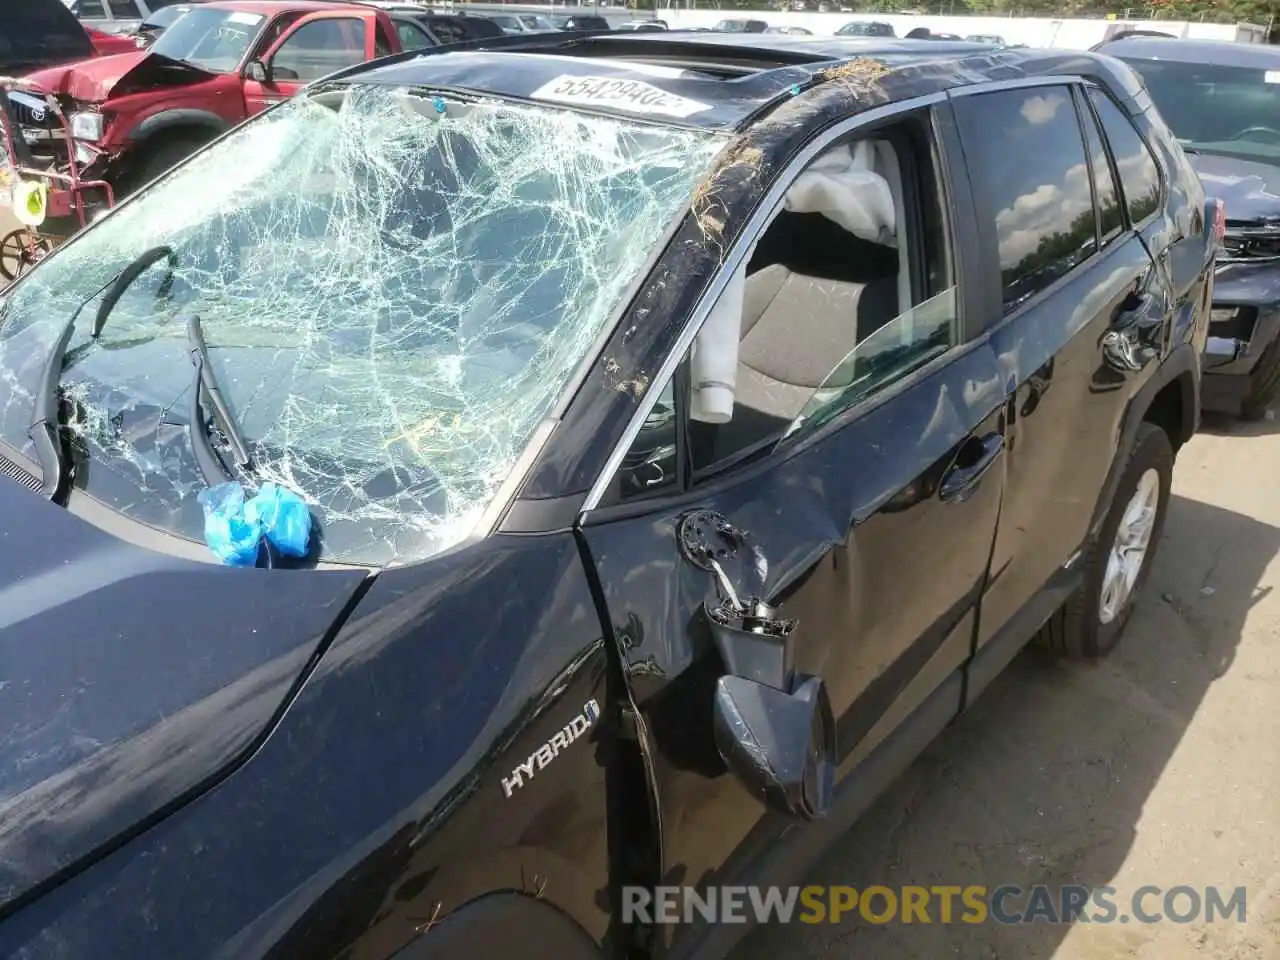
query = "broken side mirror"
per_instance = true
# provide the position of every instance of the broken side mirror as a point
(258, 71)
(774, 728)
(780, 745)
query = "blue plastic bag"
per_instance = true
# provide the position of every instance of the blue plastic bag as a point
(234, 528)
(284, 518)
(230, 535)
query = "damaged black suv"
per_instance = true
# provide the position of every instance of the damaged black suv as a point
(689, 429)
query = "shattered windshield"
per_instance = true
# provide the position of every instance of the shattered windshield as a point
(395, 289)
(216, 40)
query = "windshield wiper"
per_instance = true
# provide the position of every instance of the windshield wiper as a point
(44, 425)
(206, 384)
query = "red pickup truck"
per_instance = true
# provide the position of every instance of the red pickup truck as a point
(136, 114)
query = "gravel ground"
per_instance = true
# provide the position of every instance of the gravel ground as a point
(1159, 765)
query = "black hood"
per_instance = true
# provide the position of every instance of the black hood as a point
(38, 34)
(1250, 189)
(131, 679)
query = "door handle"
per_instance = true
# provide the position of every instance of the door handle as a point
(963, 478)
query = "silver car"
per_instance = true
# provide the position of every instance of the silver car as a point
(115, 16)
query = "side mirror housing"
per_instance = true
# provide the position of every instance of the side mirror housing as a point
(780, 746)
(774, 727)
(258, 71)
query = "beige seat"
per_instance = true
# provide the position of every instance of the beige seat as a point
(795, 329)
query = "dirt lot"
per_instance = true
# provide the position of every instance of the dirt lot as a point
(1158, 766)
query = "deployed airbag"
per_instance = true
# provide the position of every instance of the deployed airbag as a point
(714, 364)
(842, 186)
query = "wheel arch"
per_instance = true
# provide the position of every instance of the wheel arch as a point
(1170, 399)
(202, 123)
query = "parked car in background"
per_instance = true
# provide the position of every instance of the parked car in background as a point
(455, 28)
(136, 114)
(677, 457)
(149, 30)
(644, 26)
(866, 28)
(113, 16)
(106, 44)
(521, 22)
(791, 31)
(1222, 101)
(740, 25)
(986, 38)
(581, 22)
(420, 26)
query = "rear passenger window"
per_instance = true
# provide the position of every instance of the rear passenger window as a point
(1027, 163)
(1139, 175)
(448, 31)
(1110, 214)
(849, 290)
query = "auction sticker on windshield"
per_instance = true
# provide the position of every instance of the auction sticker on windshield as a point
(249, 19)
(634, 96)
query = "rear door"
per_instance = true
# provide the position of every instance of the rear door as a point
(1079, 317)
(314, 46)
(854, 480)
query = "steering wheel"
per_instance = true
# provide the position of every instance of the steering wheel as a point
(1268, 134)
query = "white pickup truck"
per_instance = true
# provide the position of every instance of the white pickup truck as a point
(115, 16)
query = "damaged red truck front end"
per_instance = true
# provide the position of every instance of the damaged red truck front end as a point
(134, 115)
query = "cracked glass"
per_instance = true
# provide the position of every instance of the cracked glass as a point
(395, 289)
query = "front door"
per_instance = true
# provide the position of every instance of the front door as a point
(313, 47)
(857, 468)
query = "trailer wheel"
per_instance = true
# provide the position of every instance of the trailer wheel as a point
(19, 251)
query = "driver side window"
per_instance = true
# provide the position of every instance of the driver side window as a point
(848, 290)
(319, 48)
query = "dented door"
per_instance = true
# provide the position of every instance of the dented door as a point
(875, 538)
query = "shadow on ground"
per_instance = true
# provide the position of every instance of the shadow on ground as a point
(1223, 425)
(1044, 781)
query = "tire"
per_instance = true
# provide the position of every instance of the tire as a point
(1086, 627)
(158, 157)
(1264, 382)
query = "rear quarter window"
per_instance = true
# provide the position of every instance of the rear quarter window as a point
(1139, 174)
(1027, 163)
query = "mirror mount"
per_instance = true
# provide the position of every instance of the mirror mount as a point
(774, 728)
